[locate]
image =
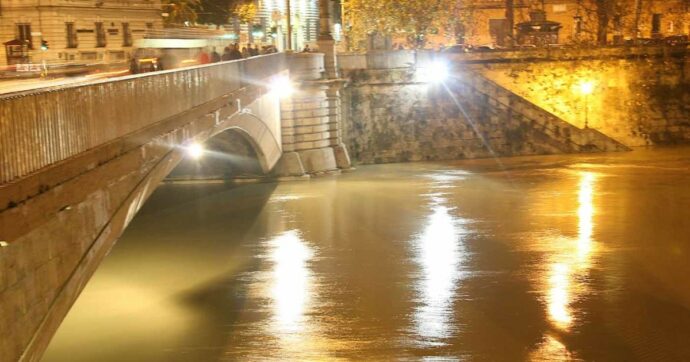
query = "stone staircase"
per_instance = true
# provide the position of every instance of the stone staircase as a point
(553, 132)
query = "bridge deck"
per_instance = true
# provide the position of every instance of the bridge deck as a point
(44, 126)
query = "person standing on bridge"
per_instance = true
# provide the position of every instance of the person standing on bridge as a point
(203, 57)
(215, 57)
(235, 52)
(227, 54)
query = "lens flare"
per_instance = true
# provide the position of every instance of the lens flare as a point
(282, 87)
(436, 72)
(195, 151)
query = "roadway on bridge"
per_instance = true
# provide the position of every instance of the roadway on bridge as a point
(21, 85)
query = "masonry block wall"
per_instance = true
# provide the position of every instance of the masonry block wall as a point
(637, 101)
(391, 117)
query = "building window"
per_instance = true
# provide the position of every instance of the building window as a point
(71, 32)
(656, 23)
(560, 8)
(126, 35)
(24, 34)
(100, 35)
(497, 30)
(578, 25)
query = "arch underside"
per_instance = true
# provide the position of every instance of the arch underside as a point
(92, 210)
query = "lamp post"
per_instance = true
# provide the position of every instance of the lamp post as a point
(289, 25)
(586, 88)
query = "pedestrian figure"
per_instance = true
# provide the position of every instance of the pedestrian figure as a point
(215, 57)
(235, 53)
(203, 57)
(134, 65)
(227, 55)
(254, 51)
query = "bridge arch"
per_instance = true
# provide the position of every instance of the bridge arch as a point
(58, 221)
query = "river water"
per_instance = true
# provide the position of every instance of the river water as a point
(582, 257)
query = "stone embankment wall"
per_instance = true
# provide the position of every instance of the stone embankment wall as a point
(637, 101)
(393, 116)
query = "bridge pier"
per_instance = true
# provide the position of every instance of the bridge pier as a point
(311, 121)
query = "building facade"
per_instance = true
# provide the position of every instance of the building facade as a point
(74, 31)
(486, 19)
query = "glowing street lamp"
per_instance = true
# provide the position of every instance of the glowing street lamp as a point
(282, 86)
(586, 88)
(195, 151)
(436, 72)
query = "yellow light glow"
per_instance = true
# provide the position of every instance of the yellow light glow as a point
(559, 296)
(195, 151)
(550, 349)
(587, 87)
(585, 215)
(291, 281)
(282, 86)
(573, 260)
(436, 72)
(438, 251)
(439, 256)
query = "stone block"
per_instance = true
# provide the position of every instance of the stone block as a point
(290, 164)
(318, 160)
(342, 157)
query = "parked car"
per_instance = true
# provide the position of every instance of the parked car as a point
(676, 40)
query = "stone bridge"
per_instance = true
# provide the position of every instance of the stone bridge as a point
(77, 163)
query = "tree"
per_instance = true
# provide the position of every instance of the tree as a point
(245, 12)
(416, 18)
(600, 16)
(219, 12)
(636, 22)
(510, 22)
(604, 12)
(215, 12)
(181, 11)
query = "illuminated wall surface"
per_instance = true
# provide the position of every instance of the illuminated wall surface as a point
(637, 102)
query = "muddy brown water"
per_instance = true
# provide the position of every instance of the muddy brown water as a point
(582, 257)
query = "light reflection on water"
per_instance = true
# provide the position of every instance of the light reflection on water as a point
(567, 276)
(439, 252)
(565, 261)
(570, 264)
(291, 284)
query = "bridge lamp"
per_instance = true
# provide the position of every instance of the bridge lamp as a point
(587, 87)
(195, 150)
(436, 72)
(282, 86)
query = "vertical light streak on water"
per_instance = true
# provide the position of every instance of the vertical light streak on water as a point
(585, 215)
(567, 277)
(290, 285)
(574, 261)
(438, 253)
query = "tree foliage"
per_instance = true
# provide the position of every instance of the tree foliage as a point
(181, 11)
(219, 12)
(416, 18)
(245, 11)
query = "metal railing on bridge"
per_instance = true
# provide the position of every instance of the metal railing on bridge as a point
(44, 126)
